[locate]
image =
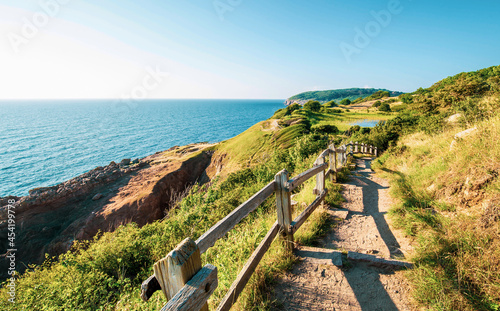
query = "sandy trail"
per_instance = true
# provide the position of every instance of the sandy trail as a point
(316, 285)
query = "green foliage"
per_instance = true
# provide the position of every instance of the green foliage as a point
(345, 102)
(324, 129)
(294, 107)
(106, 274)
(458, 88)
(312, 105)
(377, 104)
(385, 107)
(330, 104)
(338, 95)
(406, 98)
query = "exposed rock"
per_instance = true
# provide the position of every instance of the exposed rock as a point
(465, 133)
(462, 135)
(125, 162)
(49, 218)
(454, 118)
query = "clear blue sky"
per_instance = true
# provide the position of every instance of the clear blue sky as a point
(247, 49)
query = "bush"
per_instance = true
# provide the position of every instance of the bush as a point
(385, 107)
(346, 102)
(406, 98)
(377, 104)
(337, 110)
(324, 129)
(294, 107)
(330, 104)
(312, 105)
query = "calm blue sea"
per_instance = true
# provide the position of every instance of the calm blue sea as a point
(44, 143)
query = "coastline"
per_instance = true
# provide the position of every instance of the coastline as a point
(51, 219)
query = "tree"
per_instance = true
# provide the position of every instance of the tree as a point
(345, 102)
(312, 105)
(330, 104)
(377, 104)
(325, 129)
(294, 107)
(385, 107)
(406, 98)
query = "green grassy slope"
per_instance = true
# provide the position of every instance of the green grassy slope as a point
(449, 189)
(338, 95)
(106, 273)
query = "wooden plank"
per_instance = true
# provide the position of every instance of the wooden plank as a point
(283, 207)
(247, 271)
(325, 153)
(194, 295)
(299, 221)
(178, 267)
(220, 229)
(302, 177)
(331, 162)
(149, 287)
(320, 177)
(335, 162)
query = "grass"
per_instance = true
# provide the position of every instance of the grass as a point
(106, 273)
(449, 205)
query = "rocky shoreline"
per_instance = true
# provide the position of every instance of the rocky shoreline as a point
(50, 219)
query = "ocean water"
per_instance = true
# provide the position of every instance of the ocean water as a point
(43, 143)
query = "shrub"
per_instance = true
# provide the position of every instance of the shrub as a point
(294, 107)
(406, 98)
(324, 129)
(330, 104)
(345, 102)
(385, 107)
(312, 105)
(377, 104)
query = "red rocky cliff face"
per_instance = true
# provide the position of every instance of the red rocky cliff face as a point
(50, 219)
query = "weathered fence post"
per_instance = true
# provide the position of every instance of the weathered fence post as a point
(344, 160)
(178, 267)
(371, 149)
(320, 177)
(356, 147)
(284, 208)
(376, 151)
(333, 163)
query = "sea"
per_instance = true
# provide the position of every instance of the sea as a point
(43, 143)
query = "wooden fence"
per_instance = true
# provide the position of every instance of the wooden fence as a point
(180, 275)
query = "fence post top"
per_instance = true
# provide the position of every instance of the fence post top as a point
(181, 253)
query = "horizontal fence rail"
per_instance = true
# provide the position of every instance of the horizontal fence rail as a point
(180, 275)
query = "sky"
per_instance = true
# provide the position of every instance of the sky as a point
(61, 49)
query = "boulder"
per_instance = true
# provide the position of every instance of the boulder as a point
(125, 162)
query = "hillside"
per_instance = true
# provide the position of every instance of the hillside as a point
(337, 95)
(106, 272)
(443, 162)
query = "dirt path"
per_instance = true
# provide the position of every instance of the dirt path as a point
(316, 284)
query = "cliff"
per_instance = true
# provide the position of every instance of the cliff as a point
(49, 219)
